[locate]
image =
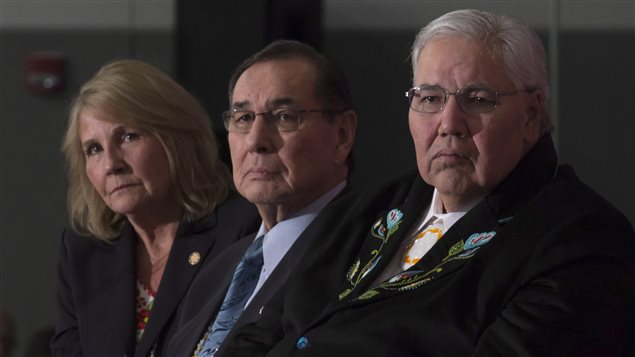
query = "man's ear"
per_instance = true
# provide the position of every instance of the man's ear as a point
(533, 117)
(347, 126)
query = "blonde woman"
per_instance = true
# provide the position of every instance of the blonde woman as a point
(149, 203)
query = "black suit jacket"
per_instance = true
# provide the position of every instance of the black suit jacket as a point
(96, 288)
(541, 267)
(208, 290)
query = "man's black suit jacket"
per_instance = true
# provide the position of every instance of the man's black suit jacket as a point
(96, 288)
(542, 266)
(208, 290)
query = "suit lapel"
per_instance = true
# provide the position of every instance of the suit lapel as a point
(447, 256)
(201, 304)
(278, 277)
(180, 270)
(116, 270)
(383, 241)
(458, 245)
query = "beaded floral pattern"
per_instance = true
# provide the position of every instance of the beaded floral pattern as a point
(385, 227)
(411, 278)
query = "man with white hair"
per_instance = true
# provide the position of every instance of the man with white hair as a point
(495, 250)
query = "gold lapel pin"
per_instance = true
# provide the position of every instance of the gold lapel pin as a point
(194, 258)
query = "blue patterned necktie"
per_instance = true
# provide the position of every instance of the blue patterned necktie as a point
(240, 289)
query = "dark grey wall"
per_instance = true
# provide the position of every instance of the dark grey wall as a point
(378, 69)
(597, 112)
(208, 47)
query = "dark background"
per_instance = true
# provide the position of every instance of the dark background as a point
(592, 59)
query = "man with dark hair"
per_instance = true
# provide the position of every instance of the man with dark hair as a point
(494, 249)
(291, 128)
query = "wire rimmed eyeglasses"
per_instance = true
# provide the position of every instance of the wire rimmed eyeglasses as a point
(282, 119)
(471, 99)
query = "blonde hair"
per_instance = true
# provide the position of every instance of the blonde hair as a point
(140, 95)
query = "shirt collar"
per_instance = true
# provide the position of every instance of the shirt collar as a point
(448, 218)
(281, 236)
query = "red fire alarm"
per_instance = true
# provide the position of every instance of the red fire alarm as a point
(45, 72)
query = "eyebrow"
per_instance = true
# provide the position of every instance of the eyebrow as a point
(117, 130)
(425, 85)
(278, 102)
(469, 85)
(477, 85)
(87, 143)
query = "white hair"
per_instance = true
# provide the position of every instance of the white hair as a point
(506, 38)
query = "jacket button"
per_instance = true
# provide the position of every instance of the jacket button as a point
(302, 342)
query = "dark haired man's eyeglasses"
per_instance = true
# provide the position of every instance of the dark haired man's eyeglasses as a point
(282, 119)
(471, 99)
